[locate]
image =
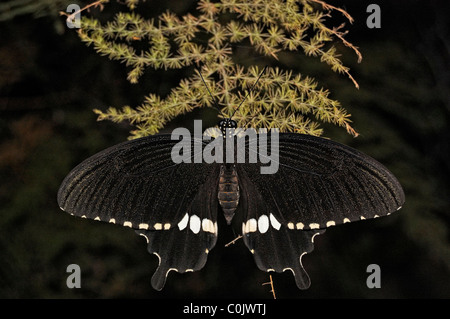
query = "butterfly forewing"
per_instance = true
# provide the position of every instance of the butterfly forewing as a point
(320, 183)
(132, 183)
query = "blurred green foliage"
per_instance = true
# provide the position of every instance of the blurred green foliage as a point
(49, 84)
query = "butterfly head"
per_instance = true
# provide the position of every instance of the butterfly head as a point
(227, 123)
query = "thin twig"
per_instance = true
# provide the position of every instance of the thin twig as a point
(335, 31)
(70, 17)
(327, 6)
(272, 290)
(340, 35)
(233, 241)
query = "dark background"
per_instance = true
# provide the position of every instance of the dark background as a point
(50, 82)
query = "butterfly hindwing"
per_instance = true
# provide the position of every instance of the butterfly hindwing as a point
(274, 246)
(185, 247)
(283, 249)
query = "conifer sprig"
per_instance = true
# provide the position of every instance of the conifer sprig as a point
(281, 98)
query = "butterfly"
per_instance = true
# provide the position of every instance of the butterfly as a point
(318, 183)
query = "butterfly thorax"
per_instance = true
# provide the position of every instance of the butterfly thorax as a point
(226, 123)
(228, 190)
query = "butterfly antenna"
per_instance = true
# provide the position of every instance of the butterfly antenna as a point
(249, 91)
(212, 97)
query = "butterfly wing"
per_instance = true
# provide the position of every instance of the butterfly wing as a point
(319, 183)
(186, 247)
(274, 246)
(137, 184)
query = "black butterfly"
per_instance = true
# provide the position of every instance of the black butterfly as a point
(319, 183)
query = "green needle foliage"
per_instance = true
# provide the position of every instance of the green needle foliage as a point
(207, 39)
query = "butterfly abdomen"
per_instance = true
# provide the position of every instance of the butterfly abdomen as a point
(228, 193)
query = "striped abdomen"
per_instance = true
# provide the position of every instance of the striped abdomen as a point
(228, 191)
